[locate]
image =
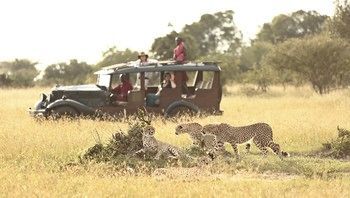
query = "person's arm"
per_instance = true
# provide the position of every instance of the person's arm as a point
(174, 54)
(173, 84)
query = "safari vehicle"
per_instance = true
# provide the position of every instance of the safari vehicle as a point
(202, 94)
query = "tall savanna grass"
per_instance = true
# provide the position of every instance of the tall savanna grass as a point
(34, 154)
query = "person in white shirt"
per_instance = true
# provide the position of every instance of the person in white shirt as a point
(143, 61)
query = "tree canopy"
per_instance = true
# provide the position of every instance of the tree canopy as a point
(340, 23)
(62, 73)
(211, 34)
(321, 60)
(19, 73)
(113, 56)
(295, 25)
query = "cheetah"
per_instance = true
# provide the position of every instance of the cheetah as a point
(260, 133)
(195, 132)
(151, 144)
(206, 142)
(343, 133)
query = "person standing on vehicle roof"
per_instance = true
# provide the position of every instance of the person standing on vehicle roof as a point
(179, 51)
(180, 58)
(143, 61)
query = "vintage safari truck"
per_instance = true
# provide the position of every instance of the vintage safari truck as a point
(202, 92)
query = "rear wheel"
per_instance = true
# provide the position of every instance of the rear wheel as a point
(64, 111)
(181, 108)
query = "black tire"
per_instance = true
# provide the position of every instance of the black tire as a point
(64, 111)
(179, 108)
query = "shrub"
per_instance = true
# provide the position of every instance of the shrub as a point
(339, 148)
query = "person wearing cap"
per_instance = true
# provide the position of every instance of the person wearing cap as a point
(120, 92)
(143, 61)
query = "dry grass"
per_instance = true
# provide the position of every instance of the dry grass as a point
(33, 154)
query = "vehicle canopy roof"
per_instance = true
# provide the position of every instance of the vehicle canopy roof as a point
(159, 67)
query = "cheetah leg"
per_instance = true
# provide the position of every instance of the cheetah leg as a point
(158, 155)
(174, 153)
(262, 148)
(139, 152)
(275, 148)
(220, 147)
(247, 147)
(235, 149)
(211, 153)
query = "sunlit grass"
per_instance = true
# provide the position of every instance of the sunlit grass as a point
(33, 154)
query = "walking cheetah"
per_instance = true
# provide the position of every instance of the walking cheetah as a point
(260, 133)
(151, 144)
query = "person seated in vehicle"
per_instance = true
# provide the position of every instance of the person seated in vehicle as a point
(168, 82)
(120, 92)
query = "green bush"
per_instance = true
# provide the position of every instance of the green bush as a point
(339, 148)
(121, 148)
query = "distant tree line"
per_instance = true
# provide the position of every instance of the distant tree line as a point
(303, 47)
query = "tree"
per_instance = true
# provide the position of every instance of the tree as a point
(296, 25)
(261, 76)
(321, 60)
(113, 56)
(62, 73)
(162, 47)
(228, 63)
(19, 73)
(340, 23)
(213, 33)
(251, 63)
(252, 55)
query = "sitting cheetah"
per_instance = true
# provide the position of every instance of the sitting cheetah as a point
(207, 142)
(343, 133)
(261, 133)
(151, 144)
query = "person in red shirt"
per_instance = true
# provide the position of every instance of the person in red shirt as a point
(180, 58)
(179, 51)
(120, 92)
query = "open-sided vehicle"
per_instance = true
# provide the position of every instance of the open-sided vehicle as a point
(202, 92)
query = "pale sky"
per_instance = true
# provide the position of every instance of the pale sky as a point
(51, 31)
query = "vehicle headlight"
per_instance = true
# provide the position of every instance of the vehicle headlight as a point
(43, 97)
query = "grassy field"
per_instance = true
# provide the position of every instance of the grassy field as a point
(33, 155)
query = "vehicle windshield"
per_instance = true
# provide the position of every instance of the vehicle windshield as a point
(104, 80)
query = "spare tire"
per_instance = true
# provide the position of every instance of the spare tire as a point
(181, 107)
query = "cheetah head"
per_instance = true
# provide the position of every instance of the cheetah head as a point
(187, 128)
(149, 131)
